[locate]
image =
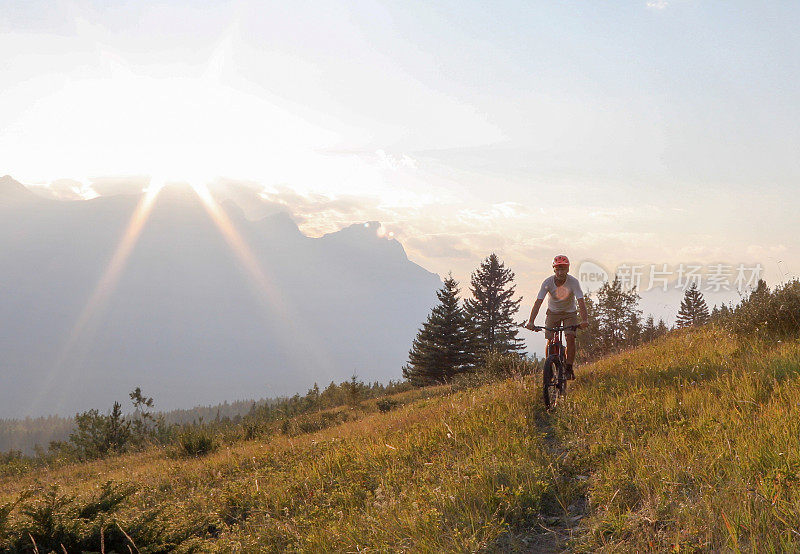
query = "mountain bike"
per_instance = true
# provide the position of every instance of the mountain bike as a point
(554, 378)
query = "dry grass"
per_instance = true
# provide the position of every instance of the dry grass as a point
(689, 443)
(451, 472)
(692, 443)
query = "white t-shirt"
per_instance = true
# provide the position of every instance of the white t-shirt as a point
(562, 298)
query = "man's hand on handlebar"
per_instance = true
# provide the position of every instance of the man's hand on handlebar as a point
(529, 325)
(533, 327)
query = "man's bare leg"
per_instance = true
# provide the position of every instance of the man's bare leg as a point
(570, 349)
(570, 356)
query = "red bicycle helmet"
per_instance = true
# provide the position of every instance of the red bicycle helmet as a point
(560, 260)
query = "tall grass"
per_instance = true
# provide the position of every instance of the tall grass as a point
(692, 443)
(454, 471)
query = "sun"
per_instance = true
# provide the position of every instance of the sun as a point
(198, 183)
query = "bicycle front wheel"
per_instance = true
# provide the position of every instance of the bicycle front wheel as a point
(551, 386)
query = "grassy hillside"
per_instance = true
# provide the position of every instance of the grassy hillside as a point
(690, 442)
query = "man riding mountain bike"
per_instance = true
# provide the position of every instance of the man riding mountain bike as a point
(563, 291)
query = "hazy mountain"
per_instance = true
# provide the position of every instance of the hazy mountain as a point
(191, 317)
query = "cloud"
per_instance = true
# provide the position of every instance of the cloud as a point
(766, 251)
(65, 189)
(440, 236)
(108, 186)
(455, 236)
(318, 214)
(440, 246)
(545, 247)
(396, 161)
(657, 4)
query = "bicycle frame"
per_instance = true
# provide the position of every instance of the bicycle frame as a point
(555, 346)
(554, 379)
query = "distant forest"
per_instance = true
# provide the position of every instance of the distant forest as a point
(24, 435)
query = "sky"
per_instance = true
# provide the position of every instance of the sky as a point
(637, 133)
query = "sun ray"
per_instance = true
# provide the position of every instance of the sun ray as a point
(241, 249)
(112, 273)
(105, 286)
(263, 284)
(107, 283)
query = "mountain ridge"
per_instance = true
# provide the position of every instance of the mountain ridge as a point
(96, 301)
(13, 190)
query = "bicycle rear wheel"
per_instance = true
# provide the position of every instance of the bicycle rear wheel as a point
(551, 385)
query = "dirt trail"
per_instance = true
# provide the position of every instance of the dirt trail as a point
(555, 530)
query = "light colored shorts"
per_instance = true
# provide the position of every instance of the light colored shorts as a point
(557, 319)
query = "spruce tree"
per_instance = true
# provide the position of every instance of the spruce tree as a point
(649, 329)
(633, 329)
(661, 328)
(618, 316)
(491, 309)
(589, 344)
(439, 351)
(694, 310)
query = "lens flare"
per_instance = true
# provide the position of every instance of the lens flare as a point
(296, 337)
(295, 340)
(112, 273)
(241, 249)
(105, 286)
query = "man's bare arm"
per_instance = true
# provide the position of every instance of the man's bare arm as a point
(534, 313)
(584, 313)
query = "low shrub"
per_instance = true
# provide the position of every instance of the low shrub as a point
(49, 521)
(311, 423)
(471, 379)
(238, 506)
(14, 462)
(386, 404)
(196, 440)
(767, 313)
(508, 364)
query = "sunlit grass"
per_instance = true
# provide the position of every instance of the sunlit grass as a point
(692, 442)
(450, 472)
(688, 443)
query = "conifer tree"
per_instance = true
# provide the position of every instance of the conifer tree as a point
(633, 329)
(661, 328)
(694, 310)
(760, 291)
(439, 351)
(589, 341)
(491, 309)
(618, 316)
(649, 329)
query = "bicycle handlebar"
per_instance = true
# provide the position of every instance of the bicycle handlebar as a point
(556, 329)
(562, 328)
